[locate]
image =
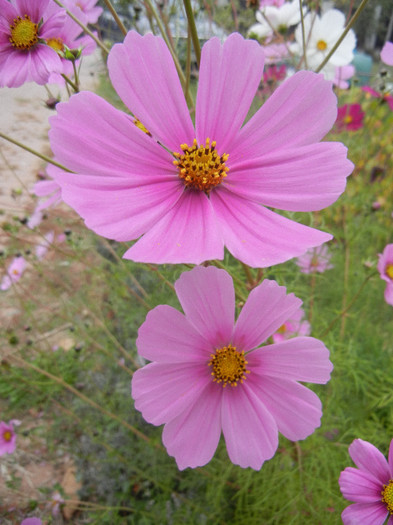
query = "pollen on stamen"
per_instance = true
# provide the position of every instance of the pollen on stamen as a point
(201, 167)
(387, 496)
(228, 366)
(24, 33)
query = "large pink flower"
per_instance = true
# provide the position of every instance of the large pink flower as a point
(370, 486)
(7, 438)
(25, 26)
(385, 268)
(209, 374)
(203, 190)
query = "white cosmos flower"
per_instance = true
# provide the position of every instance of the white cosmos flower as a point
(321, 35)
(279, 18)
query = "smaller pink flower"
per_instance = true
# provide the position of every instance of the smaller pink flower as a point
(7, 438)
(48, 188)
(275, 3)
(275, 73)
(385, 268)
(13, 273)
(370, 486)
(315, 260)
(44, 245)
(295, 326)
(387, 54)
(35, 219)
(31, 521)
(385, 97)
(349, 117)
(55, 503)
(88, 7)
(343, 74)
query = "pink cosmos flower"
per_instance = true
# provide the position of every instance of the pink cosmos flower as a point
(370, 486)
(385, 97)
(7, 438)
(276, 3)
(385, 268)
(295, 326)
(350, 117)
(316, 260)
(55, 503)
(25, 26)
(342, 74)
(13, 273)
(206, 194)
(387, 54)
(210, 374)
(275, 73)
(44, 245)
(88, 7)
(31, 521)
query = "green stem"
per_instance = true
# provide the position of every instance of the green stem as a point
(70, 82)
(85, 28)
(362, 5)
(193, 29)
(303, 34)
(34, 152)
(116, 17)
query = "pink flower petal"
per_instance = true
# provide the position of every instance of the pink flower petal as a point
(15, 69)
(268, 306)
(301, 111)
(389, 293)
(34, 8)
(88, 135)
(188, 233)
(390, 458)
(43, 61)
(367, 457)
(115, 207)
(300, 359)
(224, 97)
(144, 75)
(258, 236)
(306, 178)
(163, 391)
(207, 297)
(192, 437)
(360, 486)
(364, 514)
(168, 337)
(296, 410)
(387, 53)
(250, 431)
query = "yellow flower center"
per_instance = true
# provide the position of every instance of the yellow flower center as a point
(348, 119)
(201, 167)
(229, 366)
(24, 33)
(387, 496)
(282, 329)
(139, 125)
(389, 271)
(7, 435)
(321, 45)
(55, 43)
(15, 272)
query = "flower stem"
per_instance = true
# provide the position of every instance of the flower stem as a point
(70, 82)
(116, 16)
(303, 34)
(355, 16)
(34, 152)
(193, 29)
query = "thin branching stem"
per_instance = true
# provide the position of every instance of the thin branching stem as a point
(193, 30)
(303, 34)
(122, 27)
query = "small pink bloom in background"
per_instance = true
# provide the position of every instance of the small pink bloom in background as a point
(315, 260)
(370, 486)
(385, 97)
(385, 268)
(127, 186)
(350, 117)
(44, 245)
(88, 7)
(31, 521)
(13, 273)
(275, 73)
(48, 188)
(56, 501)
(35, 219)
(275, 52)
(7, 438)
(276, 3)
(210, 375)
(24, 27)
(342, 75)
(295, 326)
(387, 54)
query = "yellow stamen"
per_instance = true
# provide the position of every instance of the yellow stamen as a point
(7, 435)
(389, 271)
(201, 167)
(55, 43)
(139, 125)
(282, 329)
(24, 33)
(387, 496)
(321, 45)
(348, 119)
(15, 272)
(229, 366)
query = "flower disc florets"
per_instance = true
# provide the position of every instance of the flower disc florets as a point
(389, 271)
(201, 167)
(229, 366)
(24, 33)
(56, 43)
(387, 496)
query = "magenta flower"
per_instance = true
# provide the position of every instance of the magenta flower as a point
(31, 521)
(316, 260)
(204, 189)
(387, 54)
(25, 26)
(209, 374)
(385, 268)
(88, 7)
(370, 486)
(7, 438)
(13, 273)
(384, 97)
(350, 117)
(296, 325)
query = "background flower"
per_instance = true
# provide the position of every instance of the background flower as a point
(387, 54)
(210, 375)
(350, 117)
(7, 438)
(295, 326)
(315, 260)
(385, 268)
(13, 273)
